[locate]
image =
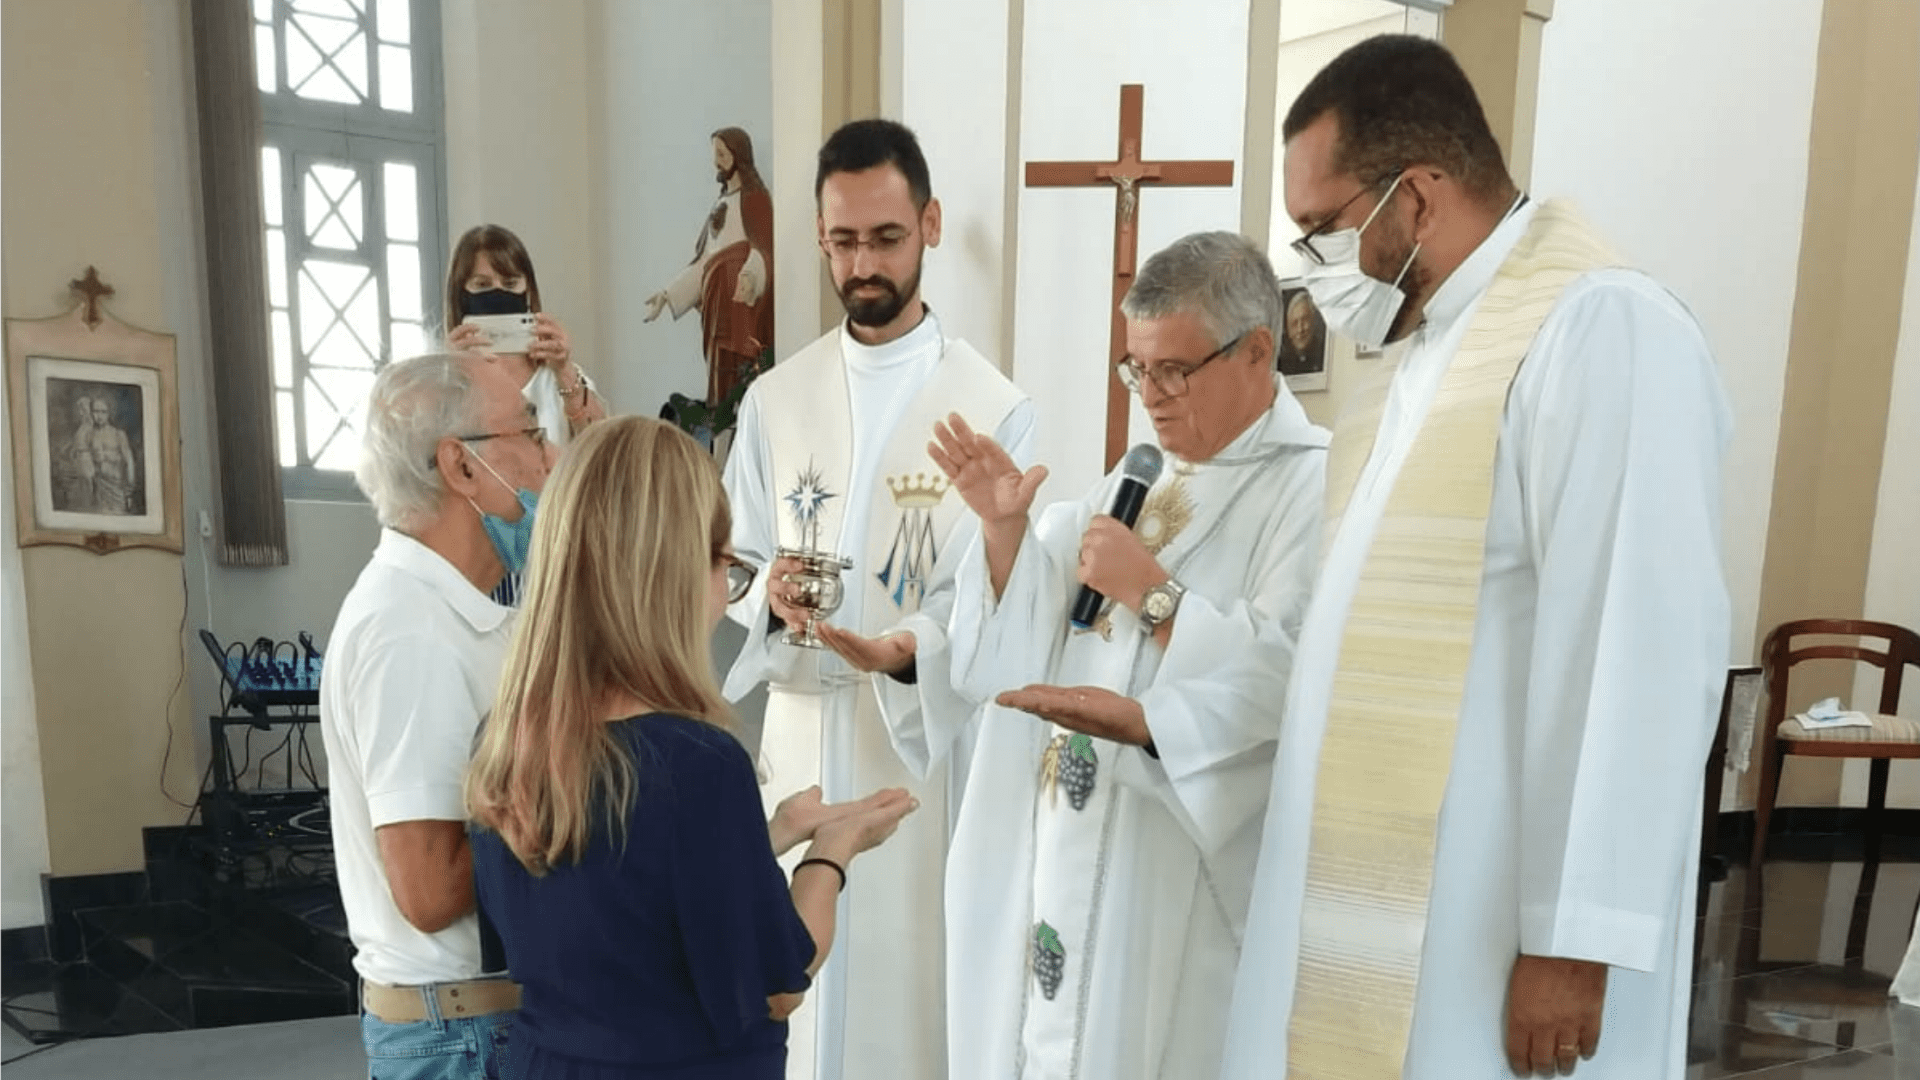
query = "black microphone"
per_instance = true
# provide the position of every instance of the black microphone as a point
(1138, 470)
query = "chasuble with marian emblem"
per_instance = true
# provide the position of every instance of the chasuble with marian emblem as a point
(831, 457)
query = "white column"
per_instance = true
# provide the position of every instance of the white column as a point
(954, 94)
(798, 49)
(1893, 575)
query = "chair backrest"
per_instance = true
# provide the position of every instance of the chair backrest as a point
(1778, 656)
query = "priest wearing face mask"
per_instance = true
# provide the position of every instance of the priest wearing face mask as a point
(1478, 850)
(452, 459)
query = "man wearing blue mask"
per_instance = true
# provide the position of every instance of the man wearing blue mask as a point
(1477, 859)
(452, 459)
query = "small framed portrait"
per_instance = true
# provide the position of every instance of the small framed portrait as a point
(96, 449)
(1303, 340)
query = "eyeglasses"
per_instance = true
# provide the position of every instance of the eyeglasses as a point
(882, 243)
(536, 433)
(740, 575)
(1170, 377)
(1304, 248)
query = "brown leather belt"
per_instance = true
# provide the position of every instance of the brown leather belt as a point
(458, 1000)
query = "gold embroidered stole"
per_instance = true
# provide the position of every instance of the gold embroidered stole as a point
(1402, 673)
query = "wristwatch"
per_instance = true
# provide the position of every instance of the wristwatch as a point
(1158, 604)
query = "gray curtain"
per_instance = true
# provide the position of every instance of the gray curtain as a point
(253, 515)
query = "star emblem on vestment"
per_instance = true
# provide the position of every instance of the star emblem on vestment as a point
(809, 493)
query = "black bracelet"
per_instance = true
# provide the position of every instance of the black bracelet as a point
(837, 868)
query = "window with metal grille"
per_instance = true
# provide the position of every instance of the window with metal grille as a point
(351, 163)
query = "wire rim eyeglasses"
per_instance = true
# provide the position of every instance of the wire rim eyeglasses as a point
(1304, 248)
(1170, 377)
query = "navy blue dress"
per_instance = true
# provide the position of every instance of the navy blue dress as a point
(655, 959)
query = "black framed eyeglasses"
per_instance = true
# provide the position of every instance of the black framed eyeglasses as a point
(740, 575)
(1171, 377)
(1304, 248)
(536, 434)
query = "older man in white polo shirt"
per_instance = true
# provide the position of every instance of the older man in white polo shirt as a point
(452, 459)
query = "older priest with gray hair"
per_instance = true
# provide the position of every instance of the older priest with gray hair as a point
(452, 459)
(1101, 867)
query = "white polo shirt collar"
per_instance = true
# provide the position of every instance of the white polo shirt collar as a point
(415, 559)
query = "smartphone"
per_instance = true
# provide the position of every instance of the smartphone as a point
(505, 333)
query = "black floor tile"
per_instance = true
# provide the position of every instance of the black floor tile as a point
(1850, 1065)
(1840, 1008)
(242, 958)
(1725, 1050)
(83, 1001)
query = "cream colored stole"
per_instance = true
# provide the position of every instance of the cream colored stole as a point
(1402, 673)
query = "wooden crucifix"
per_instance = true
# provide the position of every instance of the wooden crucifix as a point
(1128, 174)
(94, 290)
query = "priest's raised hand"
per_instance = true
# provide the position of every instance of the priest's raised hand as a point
(992, 486)
(1089, 709)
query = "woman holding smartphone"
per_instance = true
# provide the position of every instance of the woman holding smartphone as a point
(618, 845)
(493, 306)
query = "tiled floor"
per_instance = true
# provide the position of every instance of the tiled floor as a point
(1792, 985)
(1792, 981)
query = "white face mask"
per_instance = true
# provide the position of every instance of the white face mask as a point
(1353, 302)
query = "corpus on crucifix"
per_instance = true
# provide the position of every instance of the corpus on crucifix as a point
(1127, 173)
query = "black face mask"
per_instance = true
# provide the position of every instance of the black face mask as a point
(493, 302)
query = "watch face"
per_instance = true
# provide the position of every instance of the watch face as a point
(1157, 605)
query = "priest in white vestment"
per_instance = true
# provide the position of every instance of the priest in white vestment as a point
(832, 456)
(1100, 872)
(1479, 858)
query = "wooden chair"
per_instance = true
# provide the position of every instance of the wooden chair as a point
(1890, 736)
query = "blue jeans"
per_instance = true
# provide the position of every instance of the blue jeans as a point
(470, 1048)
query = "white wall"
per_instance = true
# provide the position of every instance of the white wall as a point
(23, 801)
(1893, 574)
(1192, 59)
(1682, 130)
(799, 69)
(674, 74)
(954, 95)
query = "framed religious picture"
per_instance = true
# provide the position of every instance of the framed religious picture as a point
(96, 441)
(1303, 340)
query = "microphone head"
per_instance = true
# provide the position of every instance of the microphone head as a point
(1142, 463)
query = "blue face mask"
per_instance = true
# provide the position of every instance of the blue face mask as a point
(511, 539)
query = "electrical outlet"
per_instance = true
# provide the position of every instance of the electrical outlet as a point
(206, 525)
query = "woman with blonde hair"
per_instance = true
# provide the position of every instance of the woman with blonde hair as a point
(619, 849)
